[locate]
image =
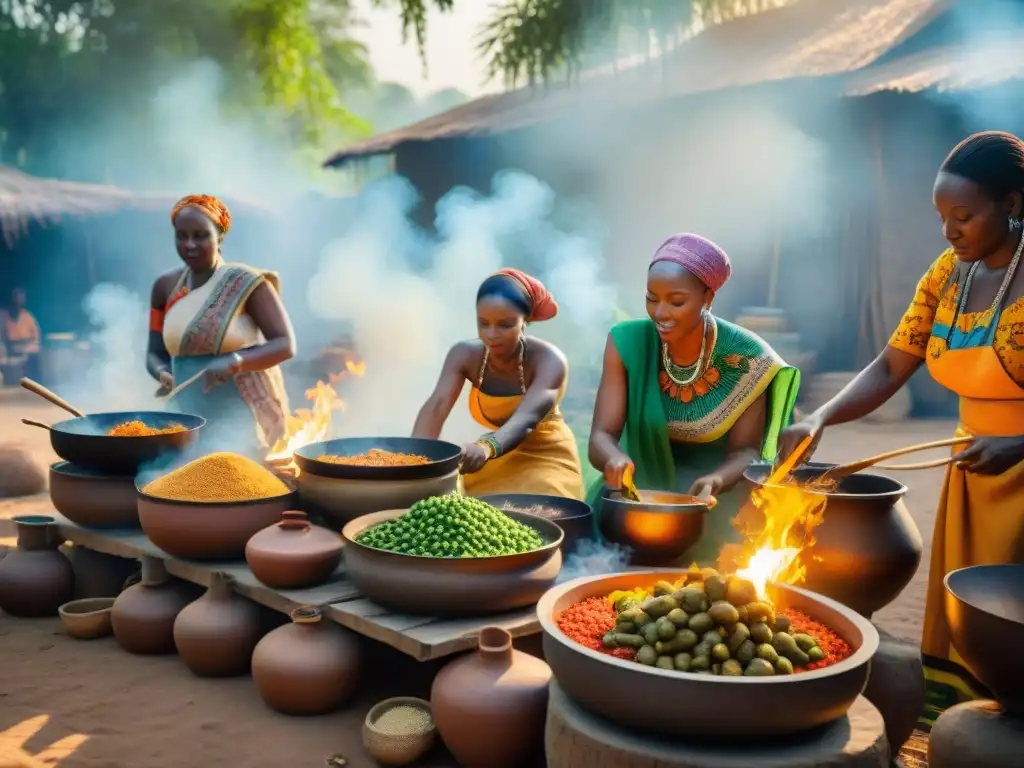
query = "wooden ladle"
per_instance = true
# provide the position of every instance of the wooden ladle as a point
(37, 388)
(843, 470)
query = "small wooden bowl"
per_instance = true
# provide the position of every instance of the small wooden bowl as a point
(397, 748)
(87, 619)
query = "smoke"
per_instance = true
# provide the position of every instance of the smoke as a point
(410, 295)
(594, 558)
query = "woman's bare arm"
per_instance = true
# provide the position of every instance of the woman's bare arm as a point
(157, 358)
(267, 310)
(435, 411)
(872, 388)
(610, 408)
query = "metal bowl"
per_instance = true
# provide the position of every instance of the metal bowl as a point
(706, 706)
(452, 586)
(574, 517)
(659, 528)
(985, 612)
(443, 458)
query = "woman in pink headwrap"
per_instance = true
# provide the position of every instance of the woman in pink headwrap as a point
(687, 400)
(517, 383)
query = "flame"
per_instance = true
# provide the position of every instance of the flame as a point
(312, 425)
(777, 527)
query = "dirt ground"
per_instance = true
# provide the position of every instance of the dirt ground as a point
(75, 704)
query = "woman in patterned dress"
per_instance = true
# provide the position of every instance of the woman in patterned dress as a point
(687, 400)
(966, 323)
(224, 319)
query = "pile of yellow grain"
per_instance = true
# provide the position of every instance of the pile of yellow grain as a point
(142, 429)
(218, 477)
(376, 457)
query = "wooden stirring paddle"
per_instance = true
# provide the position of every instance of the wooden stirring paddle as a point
(843, 470)
(53, 397)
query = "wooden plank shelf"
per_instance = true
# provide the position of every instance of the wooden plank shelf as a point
(424, 638)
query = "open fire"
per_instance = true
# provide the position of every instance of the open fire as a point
(313, 424)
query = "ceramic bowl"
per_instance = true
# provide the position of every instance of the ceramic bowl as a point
(87, 619)
(691, 706)
(452, 586)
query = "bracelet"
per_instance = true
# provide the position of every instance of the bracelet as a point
(236, 363)
(491, 443)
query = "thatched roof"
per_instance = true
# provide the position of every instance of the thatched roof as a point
(946, 68)
(25, 199)
(808, 38)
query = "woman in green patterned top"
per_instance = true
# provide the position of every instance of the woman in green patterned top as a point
(687, 400)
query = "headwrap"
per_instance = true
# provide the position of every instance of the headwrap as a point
(211, 206)
(697, 255)
(544, 305)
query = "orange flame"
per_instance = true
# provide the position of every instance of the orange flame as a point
(777, 527)
(312, 425)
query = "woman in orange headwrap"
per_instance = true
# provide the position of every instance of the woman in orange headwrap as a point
(517, 383)
(226, 320)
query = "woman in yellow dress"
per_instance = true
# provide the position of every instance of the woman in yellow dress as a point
(966, 323)
(226, 320)
(517, 383)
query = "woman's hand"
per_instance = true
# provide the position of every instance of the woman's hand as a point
(474, 456)
(991, 455)
(615, 470)
(709, 484)
(791, 437)
(166, 380)
(221, 370)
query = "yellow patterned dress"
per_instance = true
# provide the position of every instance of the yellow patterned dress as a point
(980, 520)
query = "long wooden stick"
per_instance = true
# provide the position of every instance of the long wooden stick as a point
(856, 466)
(188, 382)
(53, 397)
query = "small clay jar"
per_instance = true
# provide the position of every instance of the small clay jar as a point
(35, 578)
(490, 706)
(143, 615)
(293, 553)
(215, 635)
(308, 667)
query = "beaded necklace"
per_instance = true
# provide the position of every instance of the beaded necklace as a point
(685, 375)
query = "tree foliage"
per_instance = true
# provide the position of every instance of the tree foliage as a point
(533, 40)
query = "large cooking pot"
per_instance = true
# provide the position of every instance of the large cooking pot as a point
(867, 547)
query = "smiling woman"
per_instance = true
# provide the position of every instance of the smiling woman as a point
(226, 320)
(517, 384)
(687, 400)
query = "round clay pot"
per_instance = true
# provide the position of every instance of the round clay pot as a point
(35, 578)
(143, 615)
(215, 635)
(490, 706)
(308, 667)
(208, 531)
(867, 547)
(91, 499)
(293, 553)
(341, 500)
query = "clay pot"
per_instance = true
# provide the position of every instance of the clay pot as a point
(35, 578)
(143, 615)
(308, 667)
(867, 548)
(293, 553)
(98, 574)
(91, 499)
(490, 706)
(215, 635)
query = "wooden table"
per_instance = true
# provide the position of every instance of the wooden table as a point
(422, 637)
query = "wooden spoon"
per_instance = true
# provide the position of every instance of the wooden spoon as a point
(43, 392)
(843, 470)
(187, 383)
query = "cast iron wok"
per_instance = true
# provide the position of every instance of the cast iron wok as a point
(443, 458)
(84, 441)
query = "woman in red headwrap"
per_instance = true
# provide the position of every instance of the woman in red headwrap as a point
(517, 383)
(226, 321)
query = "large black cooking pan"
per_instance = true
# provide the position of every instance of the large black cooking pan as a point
(84, 440)
(444, 458)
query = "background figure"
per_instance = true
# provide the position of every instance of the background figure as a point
(20, 334)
